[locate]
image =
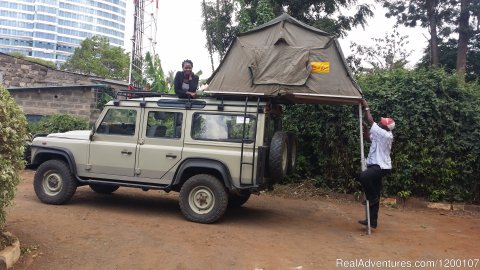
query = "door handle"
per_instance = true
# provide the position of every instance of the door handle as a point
(125, 152)
(171, 156)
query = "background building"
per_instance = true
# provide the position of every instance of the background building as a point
(52, 29)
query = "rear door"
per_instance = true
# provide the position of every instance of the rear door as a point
(161, 144)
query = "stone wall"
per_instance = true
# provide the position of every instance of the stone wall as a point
(17, 72)
(38, 95)
(78, 101)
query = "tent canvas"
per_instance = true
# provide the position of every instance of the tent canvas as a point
(291, 61)
(288, 59)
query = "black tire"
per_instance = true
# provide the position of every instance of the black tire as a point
(54, 183)
(292, 152)
(103, 189)
(278, 156)
(203, 199)
(236, 200)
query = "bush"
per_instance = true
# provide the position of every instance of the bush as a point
(13, 134)
(58, 123)
(436, 150)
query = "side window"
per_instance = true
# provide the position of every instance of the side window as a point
(118, 122)
(164, 125)
(222, 127)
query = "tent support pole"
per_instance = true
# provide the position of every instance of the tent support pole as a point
(363, 166)
(362, 154)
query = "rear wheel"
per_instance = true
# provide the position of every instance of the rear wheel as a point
(103, 189)
(203, 199)
(236, 200)
(54, 183)
(278, 156)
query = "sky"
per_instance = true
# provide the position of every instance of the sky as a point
(179, 34)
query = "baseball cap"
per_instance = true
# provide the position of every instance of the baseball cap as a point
(388, 122)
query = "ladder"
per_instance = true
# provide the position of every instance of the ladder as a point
(245, 140)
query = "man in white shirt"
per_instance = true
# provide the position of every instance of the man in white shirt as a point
(379, 162)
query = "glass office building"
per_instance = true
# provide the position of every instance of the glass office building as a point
(52, 29)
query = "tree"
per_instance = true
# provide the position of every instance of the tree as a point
(442, 17)
(431, 14)
(448, 58)
(326, 14)
(13, 133)
(154, 76)
(254, 14)
(466, 31)
(388, 53)
(96, 57)
(218, 26)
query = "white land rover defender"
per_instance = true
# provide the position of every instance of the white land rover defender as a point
(215, 151)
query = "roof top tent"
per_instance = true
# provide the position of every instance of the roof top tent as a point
(291, 62)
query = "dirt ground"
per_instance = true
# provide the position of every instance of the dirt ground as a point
(132, 229)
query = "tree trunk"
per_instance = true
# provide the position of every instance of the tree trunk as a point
(209, 40)
(432, 19)
(463, 37)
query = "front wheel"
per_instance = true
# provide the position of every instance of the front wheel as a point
(54, 183)
(203, 199)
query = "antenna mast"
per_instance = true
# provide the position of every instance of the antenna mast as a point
(140, 33)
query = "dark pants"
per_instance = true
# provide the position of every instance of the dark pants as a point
(371, 180)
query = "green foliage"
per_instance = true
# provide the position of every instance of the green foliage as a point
(13, 134)
(448, 58)
(154, 75)
(328, 143)
(436, 151)
(387, 53)
(218, 25)
(254, 14)
(49, 64)
(328, 15)
(58, 123)
(96, 57)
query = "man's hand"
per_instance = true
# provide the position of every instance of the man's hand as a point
(366, 109)
(364, 103)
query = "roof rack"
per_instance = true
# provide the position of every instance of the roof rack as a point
(140, 94)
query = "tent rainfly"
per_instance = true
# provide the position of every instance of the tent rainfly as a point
(288, 59)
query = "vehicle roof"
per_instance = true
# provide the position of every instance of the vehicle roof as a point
(202, 103)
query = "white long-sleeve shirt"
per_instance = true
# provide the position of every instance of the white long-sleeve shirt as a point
(380, 148)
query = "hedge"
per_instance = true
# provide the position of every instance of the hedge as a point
(13, 134)
(436, 150)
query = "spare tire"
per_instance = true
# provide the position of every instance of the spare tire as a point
(278, 156)
(292, 152)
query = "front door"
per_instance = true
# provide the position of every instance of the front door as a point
(161, 144)
(114, 144)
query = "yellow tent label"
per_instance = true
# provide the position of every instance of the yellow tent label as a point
(320, 67)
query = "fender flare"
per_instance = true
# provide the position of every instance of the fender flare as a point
(67, 154)
(204, 163)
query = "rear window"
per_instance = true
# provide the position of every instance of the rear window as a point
(223, 127)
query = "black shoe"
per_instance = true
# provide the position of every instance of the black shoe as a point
(365, 223)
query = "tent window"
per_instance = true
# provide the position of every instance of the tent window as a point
(280, 64)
